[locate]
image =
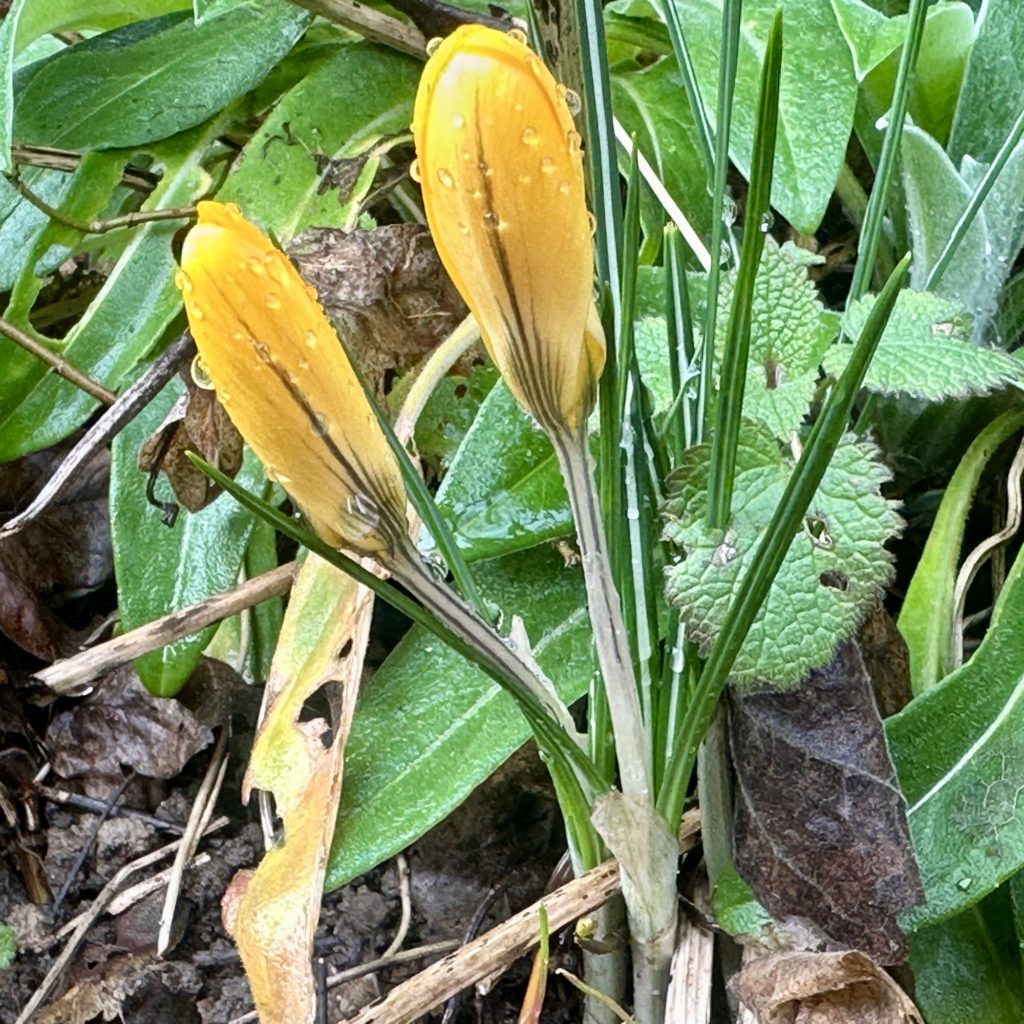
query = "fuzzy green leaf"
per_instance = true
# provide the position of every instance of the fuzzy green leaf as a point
(8, 945)
(925, 351)
(834, 571)
(789, 333)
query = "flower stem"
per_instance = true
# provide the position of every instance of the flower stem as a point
(606, 615)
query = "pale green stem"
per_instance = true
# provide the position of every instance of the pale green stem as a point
(610, 639)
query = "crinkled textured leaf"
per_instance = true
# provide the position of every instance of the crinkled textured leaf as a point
(833, 573)
(925, 351)
(790, 331)
(502, 178)
(286, 382)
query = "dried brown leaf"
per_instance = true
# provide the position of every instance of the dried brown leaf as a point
(64, 553)
(821, 827)
(272, 912)
(385, 291)
(197, 422)
(122, 725)
(822, 988)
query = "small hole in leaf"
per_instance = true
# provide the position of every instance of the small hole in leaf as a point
(833, 580)
(346, 650)
(460, 391)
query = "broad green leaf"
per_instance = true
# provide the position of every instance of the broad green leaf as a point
(936, 195)
(959, 751)
(737, 909)
(151, 79)
(818, 92)
(968, 968)
(945, 46)
(162, 569)
(123, 323)
(8, 945)
(504, 491)
(449, 413)
(89, 15)
(926, 618)
(790, 331)
(431, 728)
(651, 103)
(361, 93)
(92, 187)
(993, 85)
(834, 572)
(8, 32)
(870, 35)
(925, 351)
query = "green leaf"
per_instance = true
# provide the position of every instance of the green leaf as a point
(870, 35)
(122, 325)
(789, 333)
(361, 93)
(818, 92)
(151, 79)
(431, 728)
(968, 968)
(449, 413)
(936, 195)
(993, 85)
(925, 351)
(959, 752)
(162, 569)
(651, 104)
(926, 618)
(504, 491)
(8, 945)
(7, 40)
(737, 909)
(89, 15)
(833, 573)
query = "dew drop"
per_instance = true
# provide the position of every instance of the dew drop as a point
(445, 177)
(563, 187)
(547, 165)
(518, 35)
(573, 102)
(201, 375)
(458, 121)
(195, 311)
(767, 222)
(463, 228)
(530, 136)
(414, 171)
(592, 223)
(310, 338)
(272, 301)
(183, 281)
(466, 155)
(238, 336)
(432, 45)
(575, 142)
(256, 265)
(524, 179)
(303, 364)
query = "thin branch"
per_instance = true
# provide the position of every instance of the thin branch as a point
(88, 803)
(70, 676)
(57, 363)
(68, 162)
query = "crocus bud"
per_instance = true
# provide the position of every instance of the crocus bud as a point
(502, 178)
(287, 384)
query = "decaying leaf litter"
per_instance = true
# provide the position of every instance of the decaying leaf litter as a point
(168, 748)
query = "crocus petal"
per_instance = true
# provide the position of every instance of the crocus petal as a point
(287, 384)
(502, 178)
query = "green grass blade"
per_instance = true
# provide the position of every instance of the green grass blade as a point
(804, 481)
(867, 249)
(737, 344)
(681, 425)
(728, 59)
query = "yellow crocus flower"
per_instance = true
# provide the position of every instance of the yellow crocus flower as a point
(502, 178)
(287, 384)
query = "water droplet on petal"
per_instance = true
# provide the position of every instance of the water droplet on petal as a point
(238, 336)
(183, 281)
(195, 311)
(518, 35)
(256, 265)
(201, 375)
(414, 170)
(547, 165)
(310, 339)
(573, 102)
(272, 301)
(524, 179)
(563, 187)
(432, 45)
(463, 228)
(303, 364)
(530, 136)
(575, 142)
(467, 155)
(458, 121)
(445, 177)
